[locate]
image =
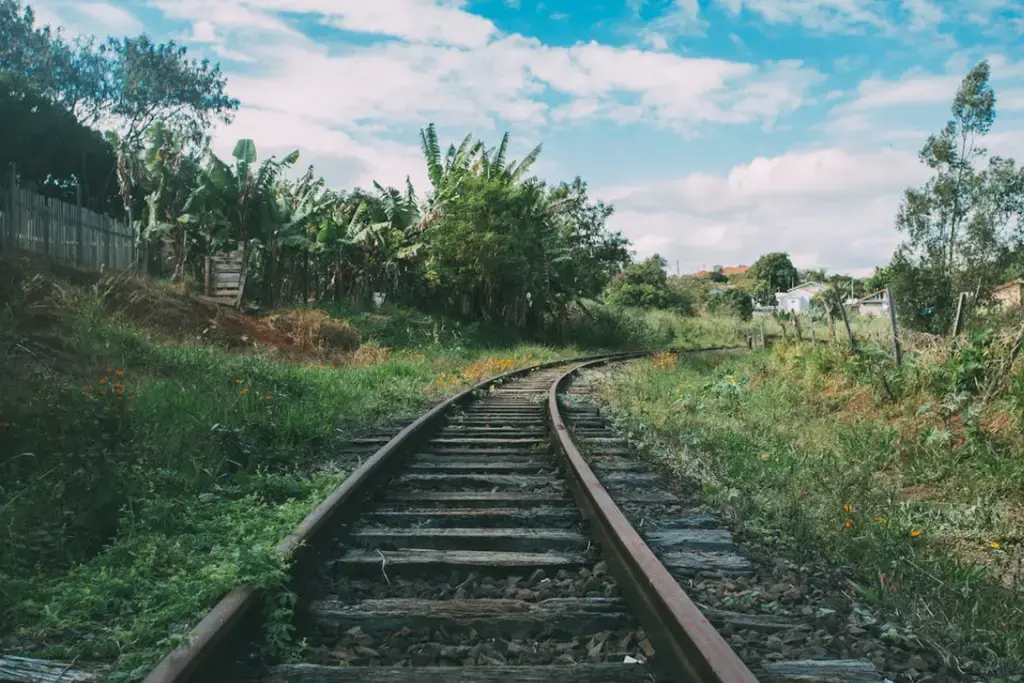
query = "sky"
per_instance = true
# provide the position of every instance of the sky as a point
(718, 129)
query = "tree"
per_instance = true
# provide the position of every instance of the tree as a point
(717, 276)
(51, 150)
(776, 269)
(879, 279)
(645, 285)
(962, 223)
(153, 83)
(733, 302)
(764, 293)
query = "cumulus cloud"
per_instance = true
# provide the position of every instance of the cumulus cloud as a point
(827, 207)
(86, 18)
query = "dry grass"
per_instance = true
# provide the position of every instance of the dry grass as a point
(314, 330)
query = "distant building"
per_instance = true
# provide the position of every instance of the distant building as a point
(798, 299)
(1008, 295)
(874, 304)
(727, 271)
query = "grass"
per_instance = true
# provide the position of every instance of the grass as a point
(145, 474)
(695, 332)
(805, 448)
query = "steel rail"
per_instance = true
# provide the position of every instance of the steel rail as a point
(187, 663)
(688, 648)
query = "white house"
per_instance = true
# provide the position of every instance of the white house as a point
(875, 303)
(798, 299)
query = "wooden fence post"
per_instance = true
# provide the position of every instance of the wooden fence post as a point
(12, 211)
(958, 321)
(764, 343)
(79, 232)
(849, 332)
(897, 350)
(106, 242)
(796, 325)
(46, 227)
(132, 253)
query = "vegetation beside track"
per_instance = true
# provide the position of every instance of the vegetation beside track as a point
(917, 494)
(151, 463)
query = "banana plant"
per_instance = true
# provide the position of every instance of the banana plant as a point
(168, 172)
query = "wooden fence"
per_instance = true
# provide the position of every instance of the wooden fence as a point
(63, 232)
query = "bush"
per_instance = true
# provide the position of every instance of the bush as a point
(607, 327)
(733, 302)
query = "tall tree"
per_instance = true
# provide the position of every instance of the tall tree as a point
(960, 225)
(776, 269)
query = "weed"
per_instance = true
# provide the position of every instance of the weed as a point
(908, 489)
(142, 478)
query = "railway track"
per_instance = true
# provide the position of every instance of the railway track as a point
(478, 544)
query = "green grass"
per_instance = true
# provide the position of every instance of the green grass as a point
(696, 332)
(142, 479)
(799, 445)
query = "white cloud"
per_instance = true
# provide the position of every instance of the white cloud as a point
(109, 18)
(413, 20)
(923, 14)
(822, 15)
(826, 207)
(339, 158)
(86, 18)
(510, 78)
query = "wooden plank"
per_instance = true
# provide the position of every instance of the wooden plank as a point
(465, 466)
(757, 622)
(493, 538)
(690, 539)
(486, 441)
(419, 558)
(472, 498)
(490, 618)
(821, 671)
(484, 517)
(26, 670)
(690, 562)
(576, 673)
(512, 481)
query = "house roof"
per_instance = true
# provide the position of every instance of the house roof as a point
(727, 271)
(735, 270)
(1006, 285)
(813, 286)
(872, 297)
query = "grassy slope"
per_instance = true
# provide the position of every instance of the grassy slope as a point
(143, 477)
(798, 443)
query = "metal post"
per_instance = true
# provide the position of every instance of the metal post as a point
(897, 350)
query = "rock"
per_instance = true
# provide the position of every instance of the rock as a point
(526, 594)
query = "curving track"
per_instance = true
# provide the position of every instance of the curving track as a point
(478, 545)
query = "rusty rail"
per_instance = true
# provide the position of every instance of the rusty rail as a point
(688, 647)
(187, 663)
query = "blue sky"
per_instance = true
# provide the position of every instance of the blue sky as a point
(719, 129)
